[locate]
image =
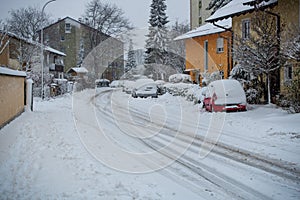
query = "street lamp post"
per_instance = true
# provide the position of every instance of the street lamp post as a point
(42, 46)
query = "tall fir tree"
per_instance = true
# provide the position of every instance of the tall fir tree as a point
(156, 44)
(131, 62)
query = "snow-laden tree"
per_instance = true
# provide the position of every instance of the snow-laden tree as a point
(25, 22)
(157, 38)
(293, 95)
(260, 53)
(249, 81)
(291, 47)
(81, 52)
(291, 50)
(105, 18)
(207, 77)
(176, 51)
(4, 41)
(131, 62)
(214, 5)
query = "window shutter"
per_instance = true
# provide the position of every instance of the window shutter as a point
(220, 45)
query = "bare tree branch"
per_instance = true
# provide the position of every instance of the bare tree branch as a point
(25, 22)
(106, 18)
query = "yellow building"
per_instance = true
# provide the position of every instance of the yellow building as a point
(286, 14)
(208, 50)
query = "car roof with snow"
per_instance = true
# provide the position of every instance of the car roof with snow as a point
(227, 91)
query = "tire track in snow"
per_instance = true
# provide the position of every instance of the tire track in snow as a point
(219, 180)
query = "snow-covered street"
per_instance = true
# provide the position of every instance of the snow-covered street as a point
(104, 144)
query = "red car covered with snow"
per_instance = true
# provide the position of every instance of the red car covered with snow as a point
(225, 96)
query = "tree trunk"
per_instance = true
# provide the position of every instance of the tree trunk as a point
(269, 89)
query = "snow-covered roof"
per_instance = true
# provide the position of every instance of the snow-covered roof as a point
(79, 70)
(206, 29)
(236, 8)
(47, 48)
(101, 80)
(11, 72)
(50, 49)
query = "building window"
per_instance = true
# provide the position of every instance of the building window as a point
(62, 38)
(200, 20)
(206, 55)
(246, 29)
(48, 59)
(200, 8)
(220, 45)
(67, 28)
(60, 75)
(288, 72)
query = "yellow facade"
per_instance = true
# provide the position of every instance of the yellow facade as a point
(11, 97)
(216, 61)
(289, 15)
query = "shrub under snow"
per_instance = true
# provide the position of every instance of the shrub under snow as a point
(190, 91)
(180, 78)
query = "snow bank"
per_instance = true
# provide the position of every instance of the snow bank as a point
(7, 71)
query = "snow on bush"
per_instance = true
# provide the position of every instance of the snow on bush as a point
(190, 92)
(177, 78)
(252, 96)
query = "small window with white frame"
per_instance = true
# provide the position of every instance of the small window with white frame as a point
(67, 28)
(220, 45)
(246, 29)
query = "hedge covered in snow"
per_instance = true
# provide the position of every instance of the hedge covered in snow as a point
(190, 91)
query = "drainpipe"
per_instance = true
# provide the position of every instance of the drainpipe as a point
(229, 62)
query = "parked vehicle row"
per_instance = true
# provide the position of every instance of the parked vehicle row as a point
(218, 96)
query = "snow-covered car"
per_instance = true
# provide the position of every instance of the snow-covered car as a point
(116, 83)
(128, 86)
(161, 89)
(225, 95)
(146, 90)
(102, 83)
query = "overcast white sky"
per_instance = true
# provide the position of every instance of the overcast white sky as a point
(137, 11)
